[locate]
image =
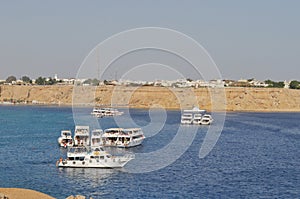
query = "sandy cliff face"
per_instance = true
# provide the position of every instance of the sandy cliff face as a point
(237, 99)
(37, 94)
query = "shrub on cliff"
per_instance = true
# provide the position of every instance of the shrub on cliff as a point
(273, 84)
(26, 79)
(295, 84)
(40, 81)
(10, 79)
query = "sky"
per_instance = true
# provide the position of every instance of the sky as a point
(246, 39)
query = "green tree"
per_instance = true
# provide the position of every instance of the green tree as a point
(95, 82)
(88, 81)
(295, 84)
(51, 81)
(10, 79)
(26, 79)
(269, 82)
(40, 81)
(273, 84)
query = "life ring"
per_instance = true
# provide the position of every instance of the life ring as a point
(96, 153)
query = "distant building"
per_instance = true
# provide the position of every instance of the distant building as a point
(286, 84)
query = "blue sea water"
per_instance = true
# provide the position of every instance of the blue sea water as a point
(256, 156)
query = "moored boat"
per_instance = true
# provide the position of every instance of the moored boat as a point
(65, 139)
(96, 138)
(206, 119)
(120, 137)
(196, 116)
(96, 158)
(105, 112)
(82, 136)
(187, 118)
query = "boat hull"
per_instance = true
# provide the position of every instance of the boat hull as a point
(131, 144)
(111, 163)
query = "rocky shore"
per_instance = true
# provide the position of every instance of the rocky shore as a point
(18, 193)
(236, 98)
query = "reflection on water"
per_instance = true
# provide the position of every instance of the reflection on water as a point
(93, 178)
(91, 174)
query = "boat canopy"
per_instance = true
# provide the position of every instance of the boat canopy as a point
(194, 110)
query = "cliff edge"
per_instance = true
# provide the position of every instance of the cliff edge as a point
(236, 98)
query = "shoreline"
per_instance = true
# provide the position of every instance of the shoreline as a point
(142, 108)
(20, 193)
(236, 99)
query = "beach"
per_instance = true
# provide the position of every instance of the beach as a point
(18, 193)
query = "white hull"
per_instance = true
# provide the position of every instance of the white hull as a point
(65, 139)
(122, 138)
(196, 116)
(131, 144)
(62, 143)
(105, 112)
(186, 122)
(197, 122)
(114, 162)
(125, 145)
(81, 157)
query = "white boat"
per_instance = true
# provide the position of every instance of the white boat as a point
(65, 139)
(186, 118)
(96, 158)
(82, 136)
(96, 138)
(98, 112)
(120, 137)
(112, 112)
(196, 116)
(206, 119)
(104, 112)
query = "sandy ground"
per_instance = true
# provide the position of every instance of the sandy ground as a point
(216, 99)
(17, 193)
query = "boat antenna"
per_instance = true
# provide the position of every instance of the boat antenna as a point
(98, 64)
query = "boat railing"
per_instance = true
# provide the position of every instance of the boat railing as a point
(129, 155)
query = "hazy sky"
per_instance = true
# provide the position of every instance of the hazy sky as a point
(246, 39)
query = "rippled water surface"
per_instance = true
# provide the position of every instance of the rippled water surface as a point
(256, 156)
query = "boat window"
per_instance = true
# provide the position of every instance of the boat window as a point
(137, 136)
(79, 158)
(71, 158)
(101, 157)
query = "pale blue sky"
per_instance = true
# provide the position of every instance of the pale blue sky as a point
(246, 39)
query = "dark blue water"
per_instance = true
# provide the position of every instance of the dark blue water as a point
(257, 156)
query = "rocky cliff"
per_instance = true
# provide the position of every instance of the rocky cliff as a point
(236, 99)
